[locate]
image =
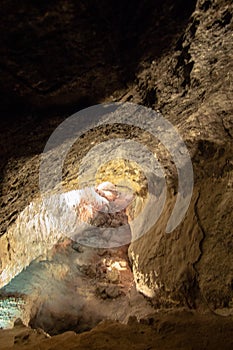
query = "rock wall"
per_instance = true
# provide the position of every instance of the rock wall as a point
(193, 88)
(187, 76)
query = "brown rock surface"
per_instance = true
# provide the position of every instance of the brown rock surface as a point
(193, 88)
(175, 57)
(179, 331)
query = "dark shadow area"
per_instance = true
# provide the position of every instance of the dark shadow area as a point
(58, 57)
(56, 54)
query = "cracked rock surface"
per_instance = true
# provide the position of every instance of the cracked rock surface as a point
(193, 88)
(186, 74)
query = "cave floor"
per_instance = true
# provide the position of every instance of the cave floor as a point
(163, 330)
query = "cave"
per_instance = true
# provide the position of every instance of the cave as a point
(116, 174)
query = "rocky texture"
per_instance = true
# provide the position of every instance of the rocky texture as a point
(178, 330)
(73, 287)
(82, 215)
(20, 336)
(186, 73)
(11, 308)
(193, 88)
(57, 54)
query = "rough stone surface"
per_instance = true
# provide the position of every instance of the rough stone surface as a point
(170, 331)
(193, 89)
(186, 74)
(73, 289)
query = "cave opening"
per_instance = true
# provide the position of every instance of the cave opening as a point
(70, 284)
(168, 289)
